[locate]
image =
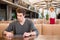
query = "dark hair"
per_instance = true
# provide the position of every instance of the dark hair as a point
(20, 10)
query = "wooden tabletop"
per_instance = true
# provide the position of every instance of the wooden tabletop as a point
(44, 37)
(48, 37)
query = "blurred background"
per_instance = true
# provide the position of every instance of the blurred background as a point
(34, 8)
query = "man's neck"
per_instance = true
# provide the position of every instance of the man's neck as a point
(22, 22)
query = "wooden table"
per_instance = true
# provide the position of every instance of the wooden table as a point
(48, 37)
(17, 37)
(44, 37)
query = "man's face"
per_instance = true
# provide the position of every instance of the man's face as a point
(20, 17)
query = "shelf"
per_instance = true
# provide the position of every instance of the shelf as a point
(16, 5)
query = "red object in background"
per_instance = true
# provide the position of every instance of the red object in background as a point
(52, 20)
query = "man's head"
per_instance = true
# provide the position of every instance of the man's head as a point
(20, 14)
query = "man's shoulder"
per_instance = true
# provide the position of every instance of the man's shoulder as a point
(14, 22)
(29, 20)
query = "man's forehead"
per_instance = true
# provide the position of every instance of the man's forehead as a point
(19, 13)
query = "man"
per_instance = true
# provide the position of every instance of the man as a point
(21, 26)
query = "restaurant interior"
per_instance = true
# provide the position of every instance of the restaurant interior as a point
(37, 11)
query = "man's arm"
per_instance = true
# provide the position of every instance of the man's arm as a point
(34, 30)
(7, 33)
(8, 29)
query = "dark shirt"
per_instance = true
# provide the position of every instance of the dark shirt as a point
(19, 29)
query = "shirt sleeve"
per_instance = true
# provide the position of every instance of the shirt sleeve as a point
(9, 28)
(33, 28)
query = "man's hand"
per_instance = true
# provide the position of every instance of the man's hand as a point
(9, 35)
(26, 34)
(33, 33)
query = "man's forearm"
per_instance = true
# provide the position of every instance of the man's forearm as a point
(5, 32)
